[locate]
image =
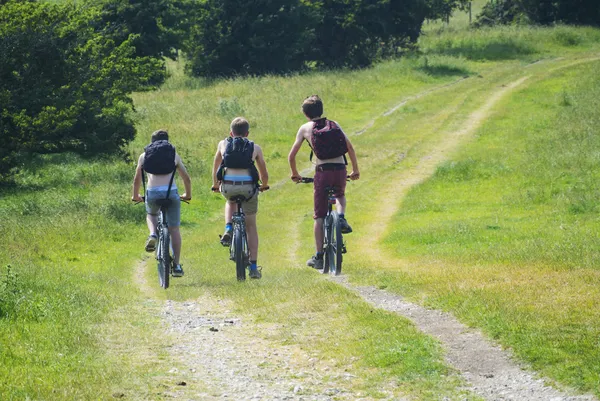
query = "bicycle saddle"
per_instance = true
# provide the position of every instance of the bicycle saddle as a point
(238, 198)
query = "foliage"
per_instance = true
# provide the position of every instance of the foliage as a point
(64, 86)
(442, 9)
(580, 12)
(158, 24)
(232, 37)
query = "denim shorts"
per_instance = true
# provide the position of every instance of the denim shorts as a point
(174, 209)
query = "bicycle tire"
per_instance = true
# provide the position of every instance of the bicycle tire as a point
(328, 257)
(164, 257)
(337, 242)
(240, 259)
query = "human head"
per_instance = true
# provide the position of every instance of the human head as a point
(312, 107)
(160, 135)
(240, 127)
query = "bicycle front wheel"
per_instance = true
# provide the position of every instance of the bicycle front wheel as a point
(334, 245)
(239, 250)
(164, 257)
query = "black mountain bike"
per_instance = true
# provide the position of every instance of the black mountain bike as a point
(333, 241)
(164, 250)
(238, 248)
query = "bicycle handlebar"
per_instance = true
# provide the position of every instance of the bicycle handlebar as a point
(144, 200)
(308, 180)
(261, 189)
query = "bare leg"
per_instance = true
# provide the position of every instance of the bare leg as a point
(175, 243)
(340, 204)
(252, 232)
(230, 209)
(152, 221)
(319, 235)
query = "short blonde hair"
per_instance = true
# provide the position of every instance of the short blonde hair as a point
(240, 126)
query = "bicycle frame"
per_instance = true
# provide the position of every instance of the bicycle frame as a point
(333, 243)
(238, 248)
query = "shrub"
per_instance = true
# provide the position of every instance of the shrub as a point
(64, 86)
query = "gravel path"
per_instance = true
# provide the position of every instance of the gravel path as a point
(491, 371)
(219, 357)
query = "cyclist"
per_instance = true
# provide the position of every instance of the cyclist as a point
(329, 144)
(160, 161)
(235, 173)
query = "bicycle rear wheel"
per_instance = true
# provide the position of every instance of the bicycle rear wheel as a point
(240, 251)
(163, 254)
(334, 245)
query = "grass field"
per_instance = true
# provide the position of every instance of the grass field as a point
(502, 235)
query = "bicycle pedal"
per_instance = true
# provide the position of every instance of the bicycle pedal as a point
(344, 248)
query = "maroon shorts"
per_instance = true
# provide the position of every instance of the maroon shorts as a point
(332, 175)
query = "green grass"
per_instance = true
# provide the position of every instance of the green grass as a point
(73, 239)
(515, 216)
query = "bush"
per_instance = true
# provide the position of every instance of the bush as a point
(233, 37)
(64, 86)
(580, 12)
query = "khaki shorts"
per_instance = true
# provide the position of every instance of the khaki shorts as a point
(248, 190)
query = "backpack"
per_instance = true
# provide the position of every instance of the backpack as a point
(159, 158)
(238, 154)
(328, 140)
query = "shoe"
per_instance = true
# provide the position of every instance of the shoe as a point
(151, 243)
(315, 263)
(177, 271)
(226, 237)
(255, 273)
(346, 229)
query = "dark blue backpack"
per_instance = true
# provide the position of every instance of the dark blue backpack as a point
(159, 158)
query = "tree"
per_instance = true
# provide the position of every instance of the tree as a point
(442, 9)
(63, 86)
(545, 12)
(232, 37)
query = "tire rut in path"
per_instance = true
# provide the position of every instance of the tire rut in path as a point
(213, 354)
(491, 372)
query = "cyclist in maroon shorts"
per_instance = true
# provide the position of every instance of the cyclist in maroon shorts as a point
(330, 144)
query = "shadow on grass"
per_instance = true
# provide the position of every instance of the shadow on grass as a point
(494, 50)
(444, 70)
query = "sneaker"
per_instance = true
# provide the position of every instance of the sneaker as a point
(255, 273)
(151, 243)
(315, 263)
(226, 237)
(177, 271)
(346, 229)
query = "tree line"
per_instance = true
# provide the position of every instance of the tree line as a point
(67, 70)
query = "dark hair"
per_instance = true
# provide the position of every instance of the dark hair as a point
(160, 135)
(240, 126)
(313, 107)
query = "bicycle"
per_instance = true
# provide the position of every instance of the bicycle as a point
(164, 249)
(238, 247)
(333, 243)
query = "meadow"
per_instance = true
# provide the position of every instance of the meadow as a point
(502, 235)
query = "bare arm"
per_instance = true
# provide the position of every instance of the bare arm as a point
(293, 152)
(262, 167)
(216, 163)
(355, 174)
(137, 180)
(187, 181)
